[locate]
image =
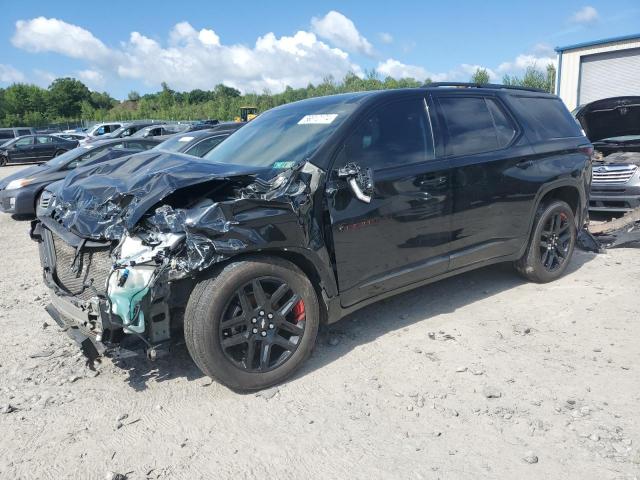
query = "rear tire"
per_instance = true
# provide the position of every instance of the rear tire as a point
(241, 316)
(3, 161)
(551, 243)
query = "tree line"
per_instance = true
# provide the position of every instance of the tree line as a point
(69, 100)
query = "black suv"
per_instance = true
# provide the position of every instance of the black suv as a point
(307, 213)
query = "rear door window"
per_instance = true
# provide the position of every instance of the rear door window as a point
(396, 134)
(43, 140)
(24, 132)
(548, 117)
(6, 134)
(475, 125)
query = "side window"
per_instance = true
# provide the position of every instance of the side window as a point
(204, 146)
(475, 125)
(41, 140)
(505, 129)
(5, 134)
(24, 141)
(549, 118)
(395, 134)
(24, 132)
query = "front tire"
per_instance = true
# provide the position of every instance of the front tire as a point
(551, 244)
(253, 324)
(3, 161)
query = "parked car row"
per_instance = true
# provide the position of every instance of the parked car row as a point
(312, 210)
(20, 192)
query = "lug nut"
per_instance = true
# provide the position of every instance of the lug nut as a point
(261, 312)
(264, 334)
(271, 326)
(254, 320)
(270, 316)
(255, 330)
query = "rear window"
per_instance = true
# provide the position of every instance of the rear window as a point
(549, 118)
(475, 125)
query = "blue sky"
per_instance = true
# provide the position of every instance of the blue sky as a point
(135, 45)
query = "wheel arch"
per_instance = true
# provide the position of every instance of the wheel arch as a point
(323, 281)
(564, 190)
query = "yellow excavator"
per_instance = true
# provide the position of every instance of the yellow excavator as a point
(247, 114)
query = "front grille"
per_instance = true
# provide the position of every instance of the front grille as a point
(85, 276)
(45, 200)
(613, 175)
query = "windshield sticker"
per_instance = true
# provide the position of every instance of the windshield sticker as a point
(185, 139)
(323, 119)
(283, 165)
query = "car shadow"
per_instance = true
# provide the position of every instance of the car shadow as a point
(359, 328)
(176, 363)
(446, 296)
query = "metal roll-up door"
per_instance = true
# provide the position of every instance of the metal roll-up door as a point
(611, 74)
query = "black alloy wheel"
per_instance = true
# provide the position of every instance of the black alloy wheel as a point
(262, 325)
(551, 243)
(555, 241)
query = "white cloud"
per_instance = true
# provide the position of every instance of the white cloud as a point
(586, 14)
(9, 74)
(191, 58)
(341, 32)
(386, 37)
(44, 78)
(92, 78)
(525, 60)
(52, 35)
(396, 69)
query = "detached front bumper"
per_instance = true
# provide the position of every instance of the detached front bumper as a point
(80, 304)
(614, 198)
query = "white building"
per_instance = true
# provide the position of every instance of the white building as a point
(594, 70)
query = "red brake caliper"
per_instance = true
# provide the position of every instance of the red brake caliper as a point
(298, 312)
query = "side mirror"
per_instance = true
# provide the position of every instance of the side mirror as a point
(360, 181)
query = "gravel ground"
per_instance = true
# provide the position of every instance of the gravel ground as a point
(478, 376)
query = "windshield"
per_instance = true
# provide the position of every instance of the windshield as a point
(285, 136)
(66, 157)
(174, 144)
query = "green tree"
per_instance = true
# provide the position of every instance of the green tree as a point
(133, 96)
(534, 78)
(66, 96)
(480, 76)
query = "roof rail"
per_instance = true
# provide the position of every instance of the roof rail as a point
(483, 85)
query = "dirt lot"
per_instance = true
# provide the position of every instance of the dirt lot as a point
(479, 376)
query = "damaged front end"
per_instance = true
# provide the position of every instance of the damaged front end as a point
(121, 251)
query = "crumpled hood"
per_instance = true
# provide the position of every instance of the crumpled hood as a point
(610, 117)
(102, 201)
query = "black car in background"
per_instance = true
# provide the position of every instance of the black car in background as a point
(309, 212)
(19, 192)
(34, 149)
(200, 142)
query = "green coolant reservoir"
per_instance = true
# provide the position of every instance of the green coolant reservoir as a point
(127, 287)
